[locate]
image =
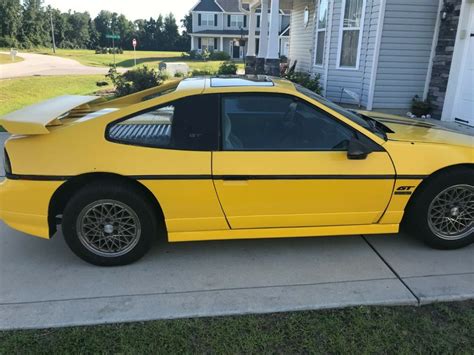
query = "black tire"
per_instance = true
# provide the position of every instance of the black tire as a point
(135, 206)
(417, 219)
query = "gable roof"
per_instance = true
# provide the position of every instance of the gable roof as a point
(231, 5)
(208, 5)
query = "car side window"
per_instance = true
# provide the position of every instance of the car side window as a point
(278, 123)
(187, 124)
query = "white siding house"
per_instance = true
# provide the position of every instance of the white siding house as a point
(219, 25)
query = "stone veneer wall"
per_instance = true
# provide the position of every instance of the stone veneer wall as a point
(443, 58)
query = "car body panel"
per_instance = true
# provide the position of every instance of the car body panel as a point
(24, 205)
(300, 189)
(201, 194)
(411, 130)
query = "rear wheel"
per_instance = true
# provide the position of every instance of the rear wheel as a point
(109, 225)
(443, 212)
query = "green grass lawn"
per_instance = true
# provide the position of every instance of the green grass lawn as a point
(7, 59)
(438, 329)
(17, 93)
(126, 60)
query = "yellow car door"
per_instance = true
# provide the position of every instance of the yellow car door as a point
(284, 163)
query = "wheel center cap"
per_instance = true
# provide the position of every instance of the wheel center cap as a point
(455, 211)
(108, 228)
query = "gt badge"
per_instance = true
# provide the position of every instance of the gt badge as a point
(404, 190)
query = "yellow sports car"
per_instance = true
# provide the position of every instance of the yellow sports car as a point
(229, 158)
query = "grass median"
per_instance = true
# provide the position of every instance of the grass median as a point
(441, 328)
(21, 92)
(7, 59)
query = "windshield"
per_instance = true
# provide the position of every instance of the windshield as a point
(364, 121)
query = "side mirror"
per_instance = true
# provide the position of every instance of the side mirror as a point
(357, 150)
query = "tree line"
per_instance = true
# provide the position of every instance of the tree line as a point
(27, 24)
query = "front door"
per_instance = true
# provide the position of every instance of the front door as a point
(235, 52)
(464, 101)
(284, 164)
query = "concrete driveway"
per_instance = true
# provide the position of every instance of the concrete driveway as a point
(39, 64)
(42, 284)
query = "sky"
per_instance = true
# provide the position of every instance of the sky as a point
(132, 9)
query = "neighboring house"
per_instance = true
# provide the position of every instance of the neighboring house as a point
(219, 25)
(379, 54)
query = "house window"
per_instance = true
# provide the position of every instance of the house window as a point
(237, 21)
(208, 20)
(208, 44)
(321, 31)
(351, 33)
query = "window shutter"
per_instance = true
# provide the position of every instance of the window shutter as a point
(245, 20)
(215, 20)
(215, 44)
(228, 20)
(200, 43)
(199, 19)
(258, 21)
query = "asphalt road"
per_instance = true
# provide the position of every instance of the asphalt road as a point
(42, 284)
(47, 65)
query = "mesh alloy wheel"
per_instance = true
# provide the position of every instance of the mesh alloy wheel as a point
(451, 213)
(108, 228)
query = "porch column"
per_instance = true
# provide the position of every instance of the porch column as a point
(251, 46)
(272, 61)
(192, 43)
(222, 44)
(262, 50)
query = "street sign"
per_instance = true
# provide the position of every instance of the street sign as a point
(112, 36)
(134, 43)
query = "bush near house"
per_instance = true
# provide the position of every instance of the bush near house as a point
(202, 72)
(135, 80)
(420, 107)
(206, 55)
(227, 68)
(304, 79)
(219, 55)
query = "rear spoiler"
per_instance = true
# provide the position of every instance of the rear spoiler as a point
(36, 118)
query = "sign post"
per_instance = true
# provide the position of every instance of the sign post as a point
(13, 53)
(113, 37)
(134, 43)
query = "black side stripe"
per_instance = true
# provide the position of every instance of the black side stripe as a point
(232, 177)
(304, 177)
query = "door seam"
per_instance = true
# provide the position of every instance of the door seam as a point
(215, 190)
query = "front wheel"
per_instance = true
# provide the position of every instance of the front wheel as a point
(443, 211)
(109, 225)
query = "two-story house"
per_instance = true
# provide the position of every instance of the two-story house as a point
(379, 54)
(222, 25)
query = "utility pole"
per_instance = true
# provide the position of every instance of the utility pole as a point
(52, 31)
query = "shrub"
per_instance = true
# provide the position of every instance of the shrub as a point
(305, 80)
(218, 55)
(202, 72)
(134, 80)
(420, 107)
(227, 68)
(196, 55)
